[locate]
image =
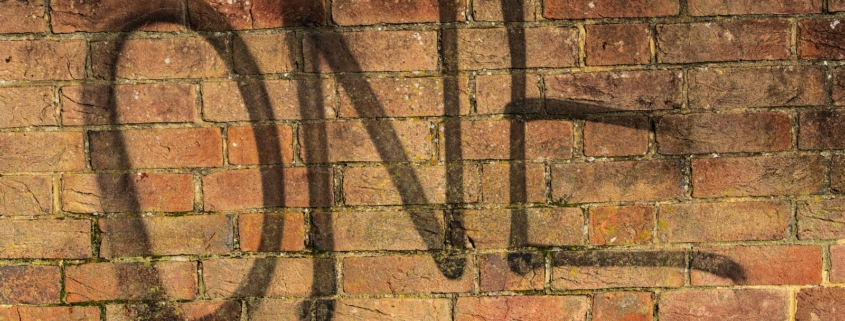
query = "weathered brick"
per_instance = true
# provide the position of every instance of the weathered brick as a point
(29, 285)
(757, 176)
(263, 144)
(364, 231)
(385, 185)
(232, 278)
(820, 304)
(621, 225)
(265, 54)
(277, 100)
(26, 195)
(585, 9)
(724, 304)
(820, 129)
(734, 7)
(279, 309)
(616, 181)
(718, 88)
(373, 141)
(115, 15)
(184, 235)
(738, 221)
(128, 104)
(156, 148)
(521, 308)
(26, 106)
(22, 16)
(131, 281)
(501, 229)
(188, 311)
(837, 174)
(300, 187)
(42, 151)
(616, 136)
(729, 265)
(494, 94)
(46, 239)
(614, 269)
(369, 12)
(836, 5)
(402, 97)
(222, 15)
(723, 41)
(141, 192)
(622, 306)
(159, 58)
(618, 44)
(724, 133)
(20, 313)
(821, 219)
(496, 10)
(505, 139)
(392, 309)
(407, 274)
(837, 263)
(272, 232)
(838, 94)
(370, 51)
(820, 39)
(497, 185)
(57, 60)
(599, 92)
(497, 271)
(475, 49)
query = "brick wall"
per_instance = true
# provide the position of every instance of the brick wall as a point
(422, 160)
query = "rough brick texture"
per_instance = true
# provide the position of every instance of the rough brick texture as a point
(723, 41)
(705, 222)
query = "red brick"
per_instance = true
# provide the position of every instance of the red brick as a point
(585, 93)
(275, 143)
(616, 181)
(272, 232)
(500, 139)
(820, 304)
(393, 309)
(188, 311)
(370, 141)
(838, 94)
(26, 195)
(265, 54)
(46, 239)
(26, 106)
(57, 60)
(723, 41)
(301, 187)
(373, 231)
(407, 274)
(837, 263)
(141, 192)
(497, 271)
(837, 174)
(618, 44)
(222, 15)
(20, 313)
(724, 304)
(621, 225)
(278, 309)
(115, 15)
(42, 151)
(724, 133)
(820, 129)
(616, 136)
(128, 104)
(407, 185)
(184, 235)
(757, 176)
(370, 51)
(494, 94)
(156, 148)
(820, 39)
(369, 12)
(521, 308)
(402, 97)
(279, 99)
(622, 306)
(496, 10)
(614, 269)
(586, 9)
(493, 229)
(794, 264)
(719, 88)
(708, 222)
(159, 58)
(29, 285)
(734, 7)
(836, 5)
(497, 187)
(231, 278)
(131, 281)
(22, 16)
(476, 49)
(821, 219)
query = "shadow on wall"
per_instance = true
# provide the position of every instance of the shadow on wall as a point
(335, 52)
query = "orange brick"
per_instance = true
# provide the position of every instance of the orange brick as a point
(265, 54)
(837, 263)
(836, 5)
(616, 136)
(521, 308)
(708, 222)
(402, 97)
(370, 51)
(128, 104)
(131, 281)
(407, 185)
(477, 49)
(263, 144)
(821, 219)
(820, 304)
(272, 232)
(57, 60)
(724, 304)
(581, 9)
(224, 278)
(280, 99)
(757, 176)
(159, 58)
(393, 309)
(723, 41)
(512, 271)
(189, 311)
(50, 313)
(301, 187)
(723, 133)
(614, 269)
(374, 231)
(621, 225)
(46, 239)
(505, 139)
(29, 285)
(22, 16)
(618, 44)
(494, 94)
(141, 192)
(115, 15)
(407, 274)
(586, 93)
(26, 106)
(219, 15)
(157, 148)
(370, 141)
(184, 235)
(730, 265)
(495, 10)
(733, 7)
(500, 188)
(368, 12)
(501, 229)
(26, 195)
(278, 309)
(42, 151)
(622, 306)
(719, 88)
(616, 181)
